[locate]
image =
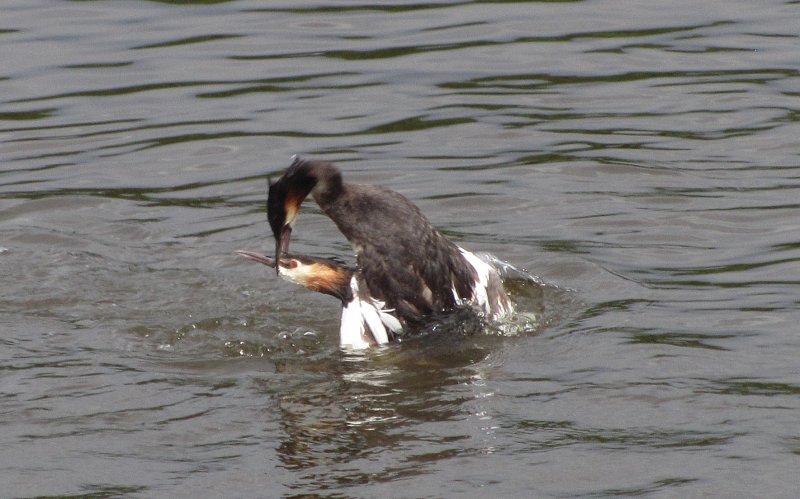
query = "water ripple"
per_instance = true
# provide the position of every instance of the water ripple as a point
(640, 158)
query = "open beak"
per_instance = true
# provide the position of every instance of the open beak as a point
(258, 257)
(323, 275)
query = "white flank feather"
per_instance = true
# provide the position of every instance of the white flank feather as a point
(373, 320)
(390, 321)
(351, 331)
(362, 319)
(480, 298)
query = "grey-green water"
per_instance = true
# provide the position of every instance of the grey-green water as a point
(642, 155)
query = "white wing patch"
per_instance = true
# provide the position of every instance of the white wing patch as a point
(373, 320)
(351, 331)
(482, 269)
(390, 321)
(365, 321)
(480, 297)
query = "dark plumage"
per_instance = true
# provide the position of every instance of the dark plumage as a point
(404, 262)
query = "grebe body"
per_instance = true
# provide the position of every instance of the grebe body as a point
(366, 321)
(403, 263)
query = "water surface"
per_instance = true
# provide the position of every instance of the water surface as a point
(640, 158)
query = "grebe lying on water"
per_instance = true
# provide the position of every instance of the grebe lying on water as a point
(365, 322)
(407, 270)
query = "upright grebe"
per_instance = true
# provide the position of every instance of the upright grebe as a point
(407, 270)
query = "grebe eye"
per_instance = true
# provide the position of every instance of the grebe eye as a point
(293, 264)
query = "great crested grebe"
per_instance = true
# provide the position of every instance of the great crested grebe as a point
(407, 270)
(365, 321)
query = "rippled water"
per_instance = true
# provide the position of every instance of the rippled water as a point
(641, 158)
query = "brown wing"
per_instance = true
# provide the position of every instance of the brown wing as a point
(404, 261)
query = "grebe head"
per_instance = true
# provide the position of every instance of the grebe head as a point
(324, 275)
(287, 194)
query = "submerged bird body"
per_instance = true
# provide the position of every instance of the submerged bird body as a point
(406, 269)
